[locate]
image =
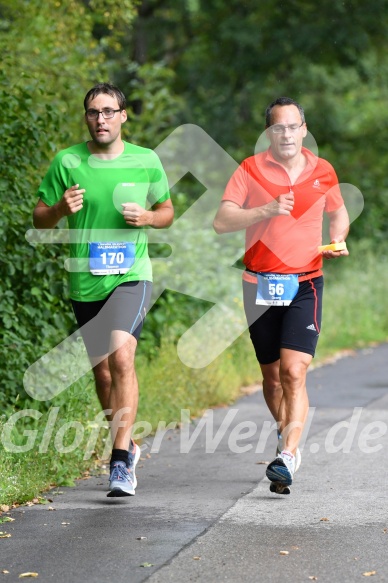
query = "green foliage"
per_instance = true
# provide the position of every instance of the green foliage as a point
(28, 279)
(231, 59)
(42, 84)
(62, 54)
(151, 89)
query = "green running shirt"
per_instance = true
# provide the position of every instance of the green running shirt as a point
(137, 176)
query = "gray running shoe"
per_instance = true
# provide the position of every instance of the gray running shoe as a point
(122, 480)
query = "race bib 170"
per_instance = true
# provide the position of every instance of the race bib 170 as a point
(108, 258)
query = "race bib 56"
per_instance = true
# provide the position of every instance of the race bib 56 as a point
(276, 289)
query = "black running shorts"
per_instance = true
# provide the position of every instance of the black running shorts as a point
(296, 326)
(124, 309)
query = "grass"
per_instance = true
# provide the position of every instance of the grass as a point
(33, 451)
(354, 310)
(170, 386)
(354, 316)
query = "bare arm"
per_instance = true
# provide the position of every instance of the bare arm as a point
(161, 215)
(339, 229)
(231, 217)
(47, 217)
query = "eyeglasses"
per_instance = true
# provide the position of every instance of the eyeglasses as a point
(278, 128)
(107, 113)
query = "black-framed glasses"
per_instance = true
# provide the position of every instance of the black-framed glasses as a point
(279, 128)
(107, 113)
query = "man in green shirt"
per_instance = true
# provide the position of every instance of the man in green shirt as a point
(110, 191)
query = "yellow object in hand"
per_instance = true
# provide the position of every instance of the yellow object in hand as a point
(332, 247)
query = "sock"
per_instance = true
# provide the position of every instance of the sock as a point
(119, 455)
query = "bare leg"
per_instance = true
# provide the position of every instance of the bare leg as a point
(272, 387)
(294, 404)
(103, 382)
(285, 393)
(117, 386)
(124, 393)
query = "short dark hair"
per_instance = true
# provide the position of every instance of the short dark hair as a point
(109, 90)
(282, 101)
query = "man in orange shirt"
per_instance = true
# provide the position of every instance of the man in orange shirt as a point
(279, 197)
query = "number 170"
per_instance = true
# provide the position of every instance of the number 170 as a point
(113, 258)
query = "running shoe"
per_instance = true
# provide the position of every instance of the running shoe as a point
(133, 454)
(122, 480)
(298, 460)
(281, 470)
(298, 455)
(278, 488)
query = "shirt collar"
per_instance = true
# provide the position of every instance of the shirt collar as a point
(311, 158)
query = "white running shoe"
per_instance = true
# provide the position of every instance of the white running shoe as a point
(298, 459)
(298, 455)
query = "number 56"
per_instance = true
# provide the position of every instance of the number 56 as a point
(276, 289)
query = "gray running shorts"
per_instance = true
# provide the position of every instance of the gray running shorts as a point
(124, 309)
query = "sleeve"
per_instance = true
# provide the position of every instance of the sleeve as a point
(158, 184)
(237, 188)
(54, 183)
(334, 199)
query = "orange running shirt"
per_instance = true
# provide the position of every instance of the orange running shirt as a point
(285, 244)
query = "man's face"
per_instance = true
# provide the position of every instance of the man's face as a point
(105, 132)
(287, 144)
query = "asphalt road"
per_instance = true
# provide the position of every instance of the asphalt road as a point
(203, 510)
